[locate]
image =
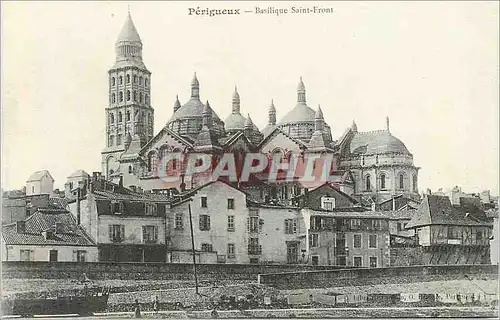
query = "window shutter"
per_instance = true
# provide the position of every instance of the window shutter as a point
(294, 225)
(201, 223)
(286, 226)
(122, 232)
(248, 224)
(208, 222)
(155, 229)
(110, 232)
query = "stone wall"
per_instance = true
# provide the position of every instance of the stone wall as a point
(367, 276)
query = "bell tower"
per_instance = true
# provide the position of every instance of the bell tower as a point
(129, 110)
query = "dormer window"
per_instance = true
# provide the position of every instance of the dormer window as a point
(150, 209)
(328, 203)
(117, 207)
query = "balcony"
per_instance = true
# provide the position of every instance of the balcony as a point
(254, 249)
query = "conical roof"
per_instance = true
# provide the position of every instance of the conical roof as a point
(129, 32)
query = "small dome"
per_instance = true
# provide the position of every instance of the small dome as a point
(236, 121)
(319, 113)
(377, 142)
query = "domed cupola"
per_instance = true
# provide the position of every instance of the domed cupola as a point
(236, 121)
(299, 122)
(187, 119)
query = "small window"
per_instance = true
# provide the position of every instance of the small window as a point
(146, 99)
(368, 185)
(355, 224)
(373, 262)
(206, 247)
(204, 202)
(113, 98)
(81, 256)
(111, 118)
(71, 186)
(382, 181)
(113, 81)
(120, 117)
(376, 224)
(253, 225)
(314, 240)
(204, 222)
(328, 203)
(120, 96)
(140, 97)
(372, 243)
(415, 186)
(401, 181)
(116, 233)
(290, 226)
(146, 82)
(140, 80)
(128, 95)
(230, 223)
(357, 241)
(128, 78)
(231, 253)
(149, 234)
(135, 78)
(130, 169)
(135, 96)
(26, 255)
(179, 221)
(150, 209)
(479, 235)
(118, 139)
(127, 116)
(230, 203)
(110, 141)
(358, 261)
(120, 80)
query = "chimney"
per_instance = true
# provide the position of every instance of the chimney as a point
(21, 226)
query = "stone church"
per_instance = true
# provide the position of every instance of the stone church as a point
(369, 166)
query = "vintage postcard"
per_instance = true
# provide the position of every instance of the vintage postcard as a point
(218, 159)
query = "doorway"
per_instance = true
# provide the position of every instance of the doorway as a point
(292, 252)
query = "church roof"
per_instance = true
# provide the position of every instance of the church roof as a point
(192, 109)
(376, 142)
(301, 113)
(206, 140)
(268, 129)
(129, 32)
(318, 142)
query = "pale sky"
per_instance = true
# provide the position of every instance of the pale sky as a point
(432, 67)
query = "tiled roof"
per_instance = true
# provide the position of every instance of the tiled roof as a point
(398, 214)
(79, 173)
(44, 220)
(130, 196)
(437, 210)
(349, 214)
(206, 140)
(38, 175)
(58, 203)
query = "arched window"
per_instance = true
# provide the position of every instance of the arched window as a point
(135, 78)
(146, 82)
(414, 179)
(113, 98)
(149, 118)
(127, 116)
(140, 97)
(111, 118)
(152, 162)
(146, 99)
(120, 117)
(128, 78)
(120, 80)
(368, 185)
(113, 81)
(401, 181)
(135, 95)
(118, 139)
(382, 181)
(129, 169)
(140, 80)
(128, 95)
(120, 96)
(110, 141)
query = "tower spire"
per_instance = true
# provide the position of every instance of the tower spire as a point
(301, 92)
(236, 101)
(318, 120)
(387, 123)
(177, 104)
(129, 42)
(272, 113)
(195, 87)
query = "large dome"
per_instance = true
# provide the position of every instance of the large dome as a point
(192, 109)
(301, 113)
(376, 142)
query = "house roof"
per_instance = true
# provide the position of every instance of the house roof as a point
(38, 175)
(79, 173)
(45, 220)
(349, 214)
(129, 195)
(438, 210)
